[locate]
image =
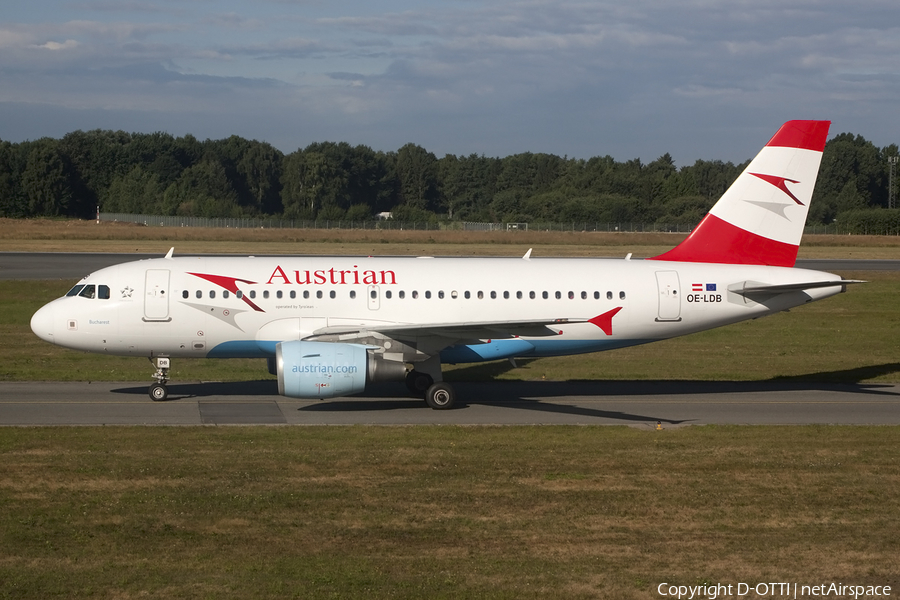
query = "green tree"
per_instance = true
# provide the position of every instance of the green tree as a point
(202, 191)
(138, 191)
(417, 172)
(314, 179)
(45, 180)
(13, 202)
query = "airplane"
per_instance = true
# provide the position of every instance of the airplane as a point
(330, 326)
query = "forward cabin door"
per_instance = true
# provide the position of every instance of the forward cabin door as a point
(669, 296)
(156, 295)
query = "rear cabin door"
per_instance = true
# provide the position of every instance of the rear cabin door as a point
(156, 295)
(669, 296)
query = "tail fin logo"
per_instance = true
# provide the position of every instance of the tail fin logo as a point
(780, 183)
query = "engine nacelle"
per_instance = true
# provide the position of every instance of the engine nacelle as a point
(327, 369)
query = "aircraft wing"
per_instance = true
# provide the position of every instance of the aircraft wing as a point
(452, 331)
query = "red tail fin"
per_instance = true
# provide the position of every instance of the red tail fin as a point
(759, 220)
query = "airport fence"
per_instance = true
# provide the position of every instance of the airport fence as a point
(388, 225)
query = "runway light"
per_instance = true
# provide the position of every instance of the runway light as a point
(659, 425)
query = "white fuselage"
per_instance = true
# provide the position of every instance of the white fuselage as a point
(244, 306)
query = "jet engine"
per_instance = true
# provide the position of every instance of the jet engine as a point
(327, 369)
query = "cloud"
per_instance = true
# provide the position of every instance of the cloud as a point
(67, 45)
(694, 77)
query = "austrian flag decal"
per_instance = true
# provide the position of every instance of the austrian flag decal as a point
(703, 287)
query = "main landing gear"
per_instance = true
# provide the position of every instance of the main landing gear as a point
(439, 395)
(158, 391)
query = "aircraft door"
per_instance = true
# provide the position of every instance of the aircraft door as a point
(374, 297)
(156, 295)
(669, 296)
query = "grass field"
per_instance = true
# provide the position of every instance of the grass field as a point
(442, 512)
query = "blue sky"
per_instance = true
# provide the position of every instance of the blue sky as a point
(709, 79)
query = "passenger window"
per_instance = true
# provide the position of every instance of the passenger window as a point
(596, 295)
(239, 294)
(305, 294)
(467, 295)
(103, 292)
(415, 294)
(185, 294)
(225, 294)
(88, 292)
(387, 294)
(441, 294)
(621, 295)
(252, 294)
(198, 293)
(212, 293)
(531, 295)
(480, 295)
(545, 295)
(558, 295)
(75, 290)
(609, 295)
(518, 295)
(493, 295)
(454, 294)
(506, 295)
(279, 294)
(319, 294)
(427, 295)
(332, 294)
(402, 294)
(266, 294)
(572, 295)
(293, 294)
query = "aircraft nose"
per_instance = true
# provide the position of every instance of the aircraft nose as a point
(42, 323)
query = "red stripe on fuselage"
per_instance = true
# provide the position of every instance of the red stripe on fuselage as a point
(717, 241)
(230, 284)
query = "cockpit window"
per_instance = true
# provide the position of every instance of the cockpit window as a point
(89, 291)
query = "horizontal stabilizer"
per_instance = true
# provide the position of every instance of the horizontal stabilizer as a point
(752, 287)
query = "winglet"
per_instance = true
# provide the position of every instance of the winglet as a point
(528, 254)
(170, 252)
(759, 220)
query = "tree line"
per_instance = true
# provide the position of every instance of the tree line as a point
(157, 173)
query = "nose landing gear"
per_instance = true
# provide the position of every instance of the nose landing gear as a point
(158, 391)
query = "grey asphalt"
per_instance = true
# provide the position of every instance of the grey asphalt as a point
(637, 403)
(634, 403)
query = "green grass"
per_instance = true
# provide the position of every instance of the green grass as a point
(848, 338)
(441, 512)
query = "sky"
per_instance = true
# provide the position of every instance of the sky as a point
(698, 79)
